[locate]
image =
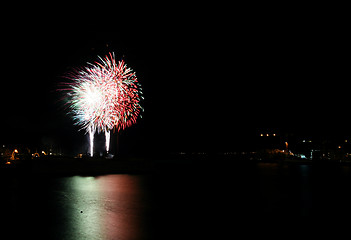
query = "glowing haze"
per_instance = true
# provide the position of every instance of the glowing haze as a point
(104, 96)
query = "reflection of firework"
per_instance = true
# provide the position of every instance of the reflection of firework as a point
(105, 96)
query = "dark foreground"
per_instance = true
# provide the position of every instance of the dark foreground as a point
(172, 199)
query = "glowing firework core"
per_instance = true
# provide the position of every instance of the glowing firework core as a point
(105, 96)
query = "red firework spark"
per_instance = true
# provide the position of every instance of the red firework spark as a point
(105, 95)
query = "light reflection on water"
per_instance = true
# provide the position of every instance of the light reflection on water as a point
(106, 207)
(171, 206)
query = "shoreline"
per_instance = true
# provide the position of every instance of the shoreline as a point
(101, 166)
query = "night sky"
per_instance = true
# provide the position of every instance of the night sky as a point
(212, 75)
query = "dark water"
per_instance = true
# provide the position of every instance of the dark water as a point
(210, 202)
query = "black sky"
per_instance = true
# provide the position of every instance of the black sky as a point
(211, 75)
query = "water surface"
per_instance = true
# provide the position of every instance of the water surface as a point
(173, 205)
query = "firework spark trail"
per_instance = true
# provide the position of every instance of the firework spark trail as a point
(91, 140)
(107, 142)
(105, 95)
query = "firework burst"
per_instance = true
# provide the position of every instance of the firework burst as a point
(104, 96)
